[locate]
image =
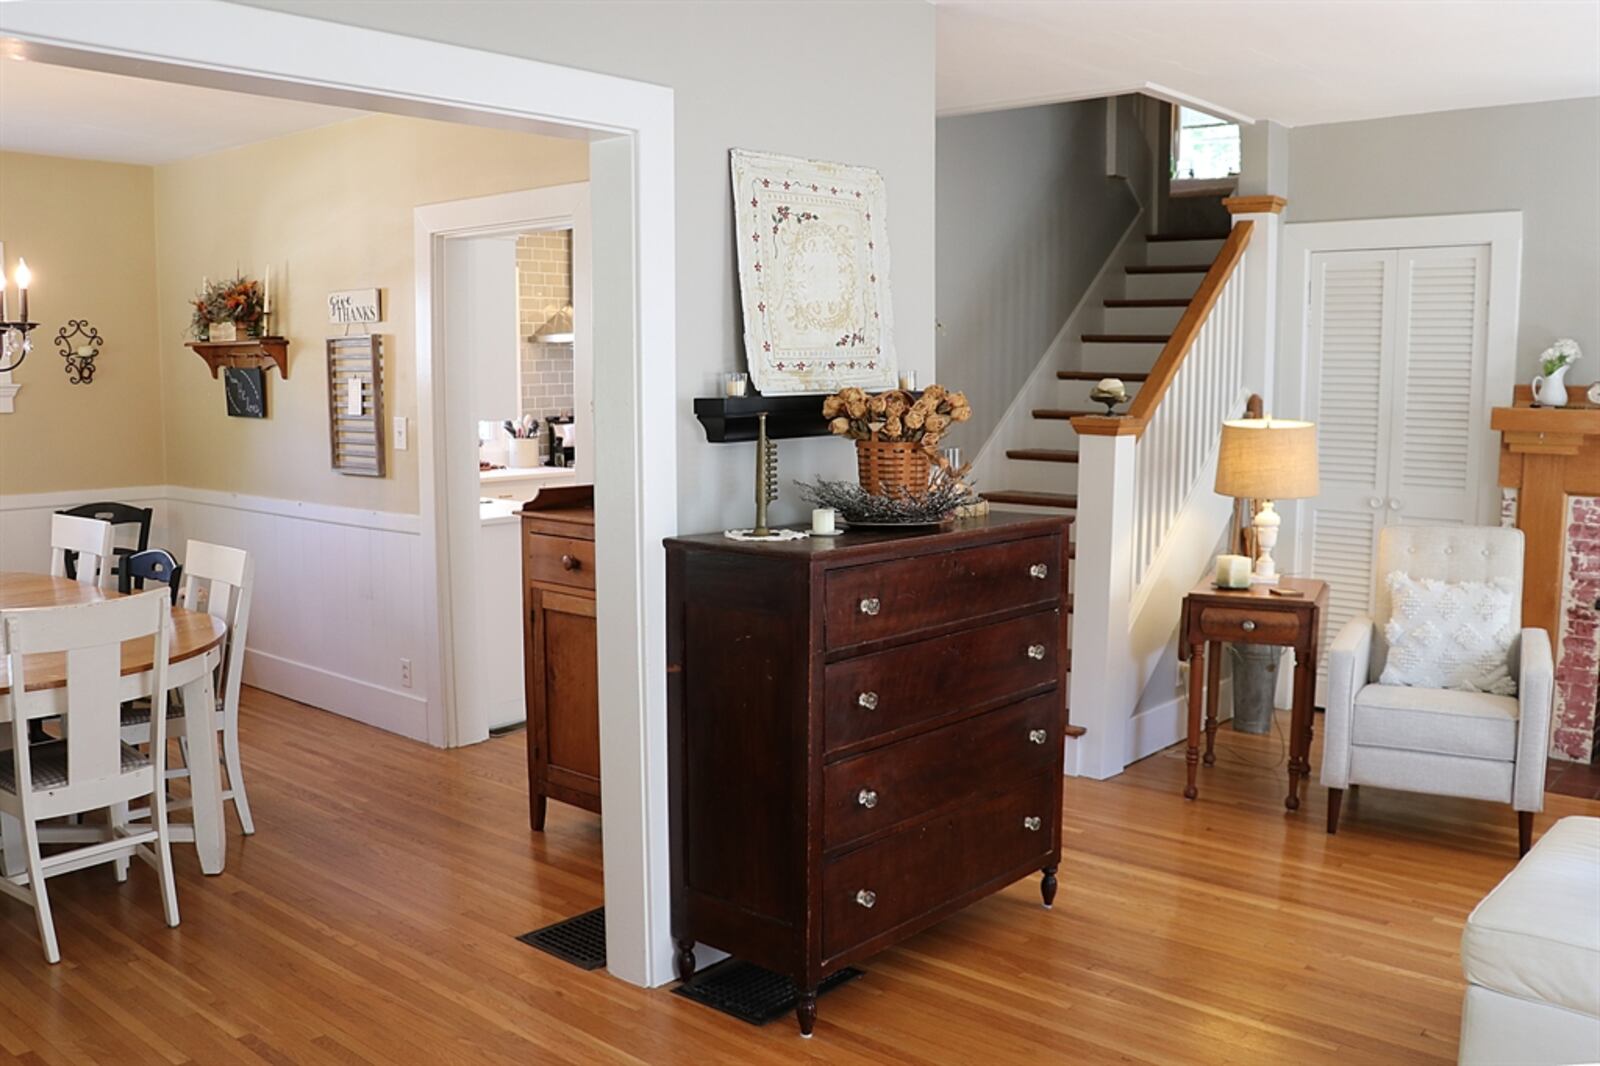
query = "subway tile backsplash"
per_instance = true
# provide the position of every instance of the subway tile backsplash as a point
(544, 280)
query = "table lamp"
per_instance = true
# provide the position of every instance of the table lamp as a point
(1267, 459)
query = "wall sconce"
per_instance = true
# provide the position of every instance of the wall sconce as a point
(80, 344)
(15, 344)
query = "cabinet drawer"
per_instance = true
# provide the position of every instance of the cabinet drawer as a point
(900, 781)
(1245, 625)
(880, 886)
(890, 599)
(559, 560)
(889, 690)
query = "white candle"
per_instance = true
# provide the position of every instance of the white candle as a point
(1233, 572)
(266, 290)
(736, 384)
(2, 292)
(24, 278)
(823, 520)
(908, 380)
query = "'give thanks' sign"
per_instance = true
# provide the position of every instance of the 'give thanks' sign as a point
(354, 306)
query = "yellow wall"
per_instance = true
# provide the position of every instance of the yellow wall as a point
(88, 232)
(329, 209)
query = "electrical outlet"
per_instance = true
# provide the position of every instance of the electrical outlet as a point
(399, 433)
(405, 673)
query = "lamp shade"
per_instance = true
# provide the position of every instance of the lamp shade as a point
(1267, 459)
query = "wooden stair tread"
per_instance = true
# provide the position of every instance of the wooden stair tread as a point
(1096, 375)
(1170, 268)
(1066, 501)
(1158, 238)
(1062, 413)
(1043, 455)
(1158, 301)
(1126, 338)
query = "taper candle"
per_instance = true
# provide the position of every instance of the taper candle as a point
(24, 277)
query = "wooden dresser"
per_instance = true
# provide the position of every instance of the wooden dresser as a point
(865, 735)
(563, 680)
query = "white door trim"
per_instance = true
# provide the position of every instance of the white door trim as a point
(460, 716)
(632, 181)
(1500, 230)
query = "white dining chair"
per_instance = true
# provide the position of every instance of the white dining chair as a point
(90, 767)
(90, 538)
(217, 580)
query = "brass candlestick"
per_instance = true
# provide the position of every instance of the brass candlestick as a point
(766, 476)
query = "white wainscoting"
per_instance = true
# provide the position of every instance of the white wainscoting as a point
(338, 600)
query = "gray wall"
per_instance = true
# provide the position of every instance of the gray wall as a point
(1026, 218)
(849, 83)
(1541, 159)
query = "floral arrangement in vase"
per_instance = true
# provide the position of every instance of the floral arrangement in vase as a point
(237, 304)
(1550, 388)
(897, 434)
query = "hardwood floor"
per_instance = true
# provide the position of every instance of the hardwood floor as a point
(372, 917)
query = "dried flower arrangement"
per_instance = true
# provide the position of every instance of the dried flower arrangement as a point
(897, 417)
(946, 493)
(239, 300)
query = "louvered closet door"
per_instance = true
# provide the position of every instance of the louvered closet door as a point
(1352, 372)
(1436, 465)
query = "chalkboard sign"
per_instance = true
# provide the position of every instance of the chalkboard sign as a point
(247, 391)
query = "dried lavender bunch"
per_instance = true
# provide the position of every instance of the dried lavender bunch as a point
(946, 492)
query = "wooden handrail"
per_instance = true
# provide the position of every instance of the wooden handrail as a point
(1177, 346)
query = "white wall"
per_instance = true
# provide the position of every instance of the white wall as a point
(842, 82)
(1540, 159)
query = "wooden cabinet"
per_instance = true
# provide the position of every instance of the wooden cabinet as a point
(865, 735)
(559, 655)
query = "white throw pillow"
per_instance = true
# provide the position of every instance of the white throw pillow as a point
(1450, 634)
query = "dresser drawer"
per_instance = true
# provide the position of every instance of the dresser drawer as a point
(559, 560)
(900, 781)
(889, 690)
(1247, 625)
(891, 599)
(885, 884)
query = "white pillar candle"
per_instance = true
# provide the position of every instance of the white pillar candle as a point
(1233, 572)
(908, 380)
(823, 520)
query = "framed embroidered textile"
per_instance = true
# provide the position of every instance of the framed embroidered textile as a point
(813, 274)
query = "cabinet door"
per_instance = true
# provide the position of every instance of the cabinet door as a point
(565, 684)
(1352, 372)
(1436, 463)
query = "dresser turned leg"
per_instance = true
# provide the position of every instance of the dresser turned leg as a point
(1047, 887)
(683, 961)
(806, 1012)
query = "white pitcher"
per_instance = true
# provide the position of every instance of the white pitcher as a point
(1551, 391)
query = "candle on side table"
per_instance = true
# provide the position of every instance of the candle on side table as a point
(824, 520)
(1233, 572)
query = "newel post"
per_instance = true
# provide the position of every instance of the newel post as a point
(1260, 280)
(1104, 681)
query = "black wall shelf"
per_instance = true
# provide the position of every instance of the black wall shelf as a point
(730, 419)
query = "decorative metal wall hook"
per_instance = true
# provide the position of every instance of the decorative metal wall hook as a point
(80, 344)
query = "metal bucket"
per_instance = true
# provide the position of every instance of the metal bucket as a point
(1255, 678)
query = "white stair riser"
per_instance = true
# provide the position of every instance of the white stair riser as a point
(1140, 319)
(1181, 251)
(1103, 355)
(1151, 286)
(1026, 476)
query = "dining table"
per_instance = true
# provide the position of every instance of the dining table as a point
(193, 652)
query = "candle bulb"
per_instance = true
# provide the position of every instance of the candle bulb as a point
(24, 277)
(2, 292)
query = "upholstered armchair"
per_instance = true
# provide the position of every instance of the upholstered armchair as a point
(1439, 740)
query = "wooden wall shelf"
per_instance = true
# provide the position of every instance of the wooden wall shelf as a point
(729, 419)
(252, 352)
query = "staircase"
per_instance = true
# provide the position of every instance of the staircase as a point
(1126, 337)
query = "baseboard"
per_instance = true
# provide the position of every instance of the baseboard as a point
(1167, 723)
(390, 709)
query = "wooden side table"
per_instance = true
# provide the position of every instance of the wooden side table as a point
(1212, 616)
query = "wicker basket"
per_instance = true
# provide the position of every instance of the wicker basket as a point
(886, 467)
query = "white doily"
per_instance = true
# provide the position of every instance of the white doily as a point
(775, 535)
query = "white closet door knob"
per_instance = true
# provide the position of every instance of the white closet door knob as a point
(1394, 504)
(1375, 502)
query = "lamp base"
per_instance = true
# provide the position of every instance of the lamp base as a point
(1263, 579)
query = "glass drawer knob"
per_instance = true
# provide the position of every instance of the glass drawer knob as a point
(1039, 571)
(1248, 625)
(869, 700)
(867, 898)
(868, 798)
(870, 605)
(1032, 823)
(1036, 651)
(1038, 736)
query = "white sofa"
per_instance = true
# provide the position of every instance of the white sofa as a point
(1531, 952)
(1439, 741)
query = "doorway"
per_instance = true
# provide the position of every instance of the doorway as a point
(629, 126)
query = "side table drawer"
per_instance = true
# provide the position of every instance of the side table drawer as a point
(1245, 625)
(875, 888)
(889, 690)
(897, 782)
(891, 599)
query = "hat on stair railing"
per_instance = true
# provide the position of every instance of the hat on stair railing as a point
(1111, 392)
